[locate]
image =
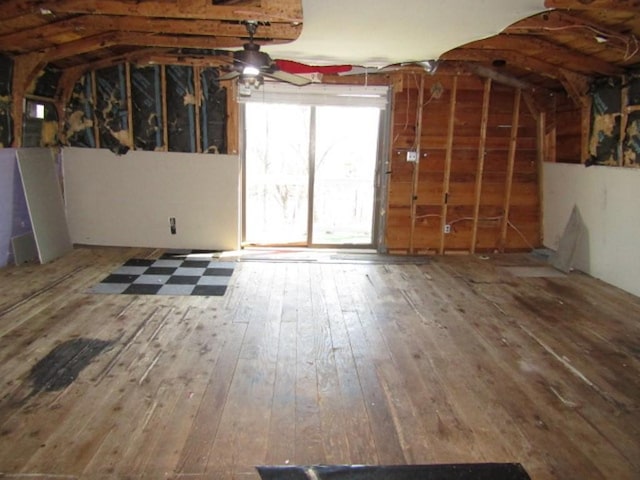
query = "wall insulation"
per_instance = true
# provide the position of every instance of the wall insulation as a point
(6, 127)
(155, 108)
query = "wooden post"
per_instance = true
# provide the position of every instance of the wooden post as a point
(165, 127)
(416, 166)
(447, 165)
(541, 124)
(624, 118)
(197, 92)
(510, 167)
(481, 154)
(25, 70)
(233, 142)
(585, 128)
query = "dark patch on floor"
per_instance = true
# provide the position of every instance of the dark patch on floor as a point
(481, 471)
(62, 365)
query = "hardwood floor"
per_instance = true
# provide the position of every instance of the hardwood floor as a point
(457, 360)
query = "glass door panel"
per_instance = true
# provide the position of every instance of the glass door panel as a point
(345, 154)
(277, 173)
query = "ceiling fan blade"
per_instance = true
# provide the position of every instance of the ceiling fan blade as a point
(288, 77)
(229, 76)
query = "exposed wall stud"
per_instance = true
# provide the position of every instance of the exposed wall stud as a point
(513, 143)
(447, 165)
(416, 165)
(481, 154)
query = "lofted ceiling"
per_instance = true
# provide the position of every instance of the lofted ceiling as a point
(552, 44)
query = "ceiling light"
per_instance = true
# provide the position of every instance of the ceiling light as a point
(250, 70)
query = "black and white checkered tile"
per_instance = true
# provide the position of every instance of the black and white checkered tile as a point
(168, 276)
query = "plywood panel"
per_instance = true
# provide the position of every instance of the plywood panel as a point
(44, 200)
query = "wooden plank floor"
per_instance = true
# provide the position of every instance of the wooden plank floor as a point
(455, 361)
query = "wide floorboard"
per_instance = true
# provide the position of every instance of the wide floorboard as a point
(459, 359)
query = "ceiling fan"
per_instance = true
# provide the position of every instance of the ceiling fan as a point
(250, 65)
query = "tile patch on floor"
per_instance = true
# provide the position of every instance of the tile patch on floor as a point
(168, 276)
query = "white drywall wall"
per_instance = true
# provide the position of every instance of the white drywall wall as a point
(607, 198)
(127, 200)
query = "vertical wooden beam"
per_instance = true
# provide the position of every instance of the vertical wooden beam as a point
(94, 101)
(513, 141)
(541, 148)
(25, 70)
(197, 92)
(66, 84)
(416, 166)
(127, 74)
(165, 127)
(480, 168)
(624, 118)
(447, 165)
(585, 129)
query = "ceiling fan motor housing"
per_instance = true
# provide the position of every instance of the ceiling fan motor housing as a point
(252, 56)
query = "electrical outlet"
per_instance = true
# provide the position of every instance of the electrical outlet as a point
(412, 156)
(447, 228)
(172, 225)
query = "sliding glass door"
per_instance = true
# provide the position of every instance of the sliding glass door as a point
(310, 174)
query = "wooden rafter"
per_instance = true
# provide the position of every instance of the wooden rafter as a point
(551, 53)
(623, 5)
(280, 11)
(518, 59)
(29, 39)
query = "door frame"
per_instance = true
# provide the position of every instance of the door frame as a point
(380, 190)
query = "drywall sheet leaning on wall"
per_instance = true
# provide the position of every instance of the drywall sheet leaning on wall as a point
(129, 200)
(605, 197)
(44, 201)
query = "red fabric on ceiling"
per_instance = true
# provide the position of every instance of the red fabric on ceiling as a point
(290, 66)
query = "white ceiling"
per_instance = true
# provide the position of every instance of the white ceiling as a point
(383, 32)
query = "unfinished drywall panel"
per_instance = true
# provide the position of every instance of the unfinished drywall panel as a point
(14, 215)
(146, 101)
(609, 250)
(44, 200)
(181, 102)
(129, 201)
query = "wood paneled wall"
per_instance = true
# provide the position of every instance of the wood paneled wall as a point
(477, 169)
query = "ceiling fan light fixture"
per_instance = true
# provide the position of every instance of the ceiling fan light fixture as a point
(250, 81)
(250, 70)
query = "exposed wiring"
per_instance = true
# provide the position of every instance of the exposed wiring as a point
(629, 42)
(483, 219)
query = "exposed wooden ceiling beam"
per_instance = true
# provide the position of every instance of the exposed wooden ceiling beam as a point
(29, 39)
(280, 11)
(557, 22)
(519, 60)
(552, 53)
(497, 76)
(626, 5)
